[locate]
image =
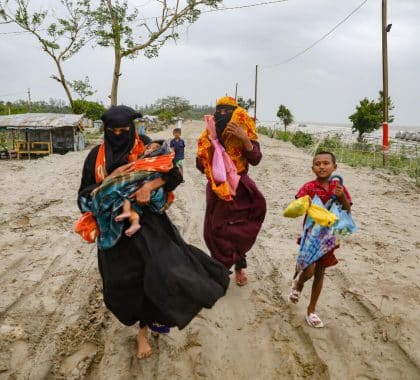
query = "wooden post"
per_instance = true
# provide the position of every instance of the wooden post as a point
(255, 95)
(28, 141)
(385, 143)
(51, 143)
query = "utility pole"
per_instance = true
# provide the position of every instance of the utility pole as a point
(255, 95)
(236, 91)
(29, 99)
(385, 29)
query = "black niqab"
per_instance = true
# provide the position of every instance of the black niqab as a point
(222, 119)
(117, 147)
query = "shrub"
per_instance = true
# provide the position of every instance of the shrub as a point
(330, 143)
(302, 139)
(284, 136)
(91, 110)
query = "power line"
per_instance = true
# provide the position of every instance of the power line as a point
(259, 4)
(18, 32)
(205, 11)
(320, 39)
(244, 6)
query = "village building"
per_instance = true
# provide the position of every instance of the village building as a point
(43, 133)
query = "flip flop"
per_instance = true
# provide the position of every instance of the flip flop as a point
(314, 321)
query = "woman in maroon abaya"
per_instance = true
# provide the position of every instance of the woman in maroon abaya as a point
(233, 217)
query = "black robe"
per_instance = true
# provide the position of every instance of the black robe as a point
(155, 276)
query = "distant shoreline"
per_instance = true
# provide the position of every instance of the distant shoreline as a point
(395, 127)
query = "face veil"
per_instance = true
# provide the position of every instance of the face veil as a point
(222, 117)
(118, 146)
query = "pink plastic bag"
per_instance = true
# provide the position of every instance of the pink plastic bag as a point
(222, 166)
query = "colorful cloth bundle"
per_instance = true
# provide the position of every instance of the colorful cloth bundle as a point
(106, 200)
(317, 240)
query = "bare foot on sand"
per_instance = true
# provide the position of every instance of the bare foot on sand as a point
(143, 347)
(134, 227)
(241, 277)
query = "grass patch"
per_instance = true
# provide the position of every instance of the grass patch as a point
(357, 154)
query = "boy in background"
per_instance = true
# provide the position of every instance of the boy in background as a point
(179, 145)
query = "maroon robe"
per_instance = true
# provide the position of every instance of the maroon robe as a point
(231, 228)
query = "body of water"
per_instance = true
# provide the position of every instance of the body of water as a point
(322, 130)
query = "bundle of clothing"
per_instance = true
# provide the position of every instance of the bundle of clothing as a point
(105, 203)
(324, 226)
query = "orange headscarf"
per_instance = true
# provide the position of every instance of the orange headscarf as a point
(233, 146)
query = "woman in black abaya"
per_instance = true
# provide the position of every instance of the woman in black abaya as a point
(153, 277)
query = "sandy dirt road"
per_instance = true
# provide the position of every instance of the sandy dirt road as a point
(53, 323)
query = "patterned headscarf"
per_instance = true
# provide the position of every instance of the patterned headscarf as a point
(233, 145)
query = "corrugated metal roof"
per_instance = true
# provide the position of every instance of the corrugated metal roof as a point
(40, 120)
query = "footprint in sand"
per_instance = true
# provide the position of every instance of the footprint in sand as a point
(76, 365)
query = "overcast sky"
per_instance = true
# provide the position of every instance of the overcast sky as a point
(222, 48)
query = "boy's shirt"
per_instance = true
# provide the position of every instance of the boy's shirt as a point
(178, 146)
(313, 188)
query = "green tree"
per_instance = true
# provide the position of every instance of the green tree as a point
(246, 104)
(91, 110)
(116, 25)
(285, 116)
(175, 104)
(59, 36)
(165, 116)
(83, 88)
(22, 106)
(368, 116)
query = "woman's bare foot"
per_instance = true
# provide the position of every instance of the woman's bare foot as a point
(134, 227)
(241, 277)
(143, 347)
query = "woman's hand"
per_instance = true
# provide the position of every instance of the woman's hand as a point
(235, 130)
(142, 195)
(128, 168)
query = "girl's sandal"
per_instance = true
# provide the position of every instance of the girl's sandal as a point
(314, 321)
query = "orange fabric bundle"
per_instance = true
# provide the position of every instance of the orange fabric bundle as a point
(161, 164)
(87, 227)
